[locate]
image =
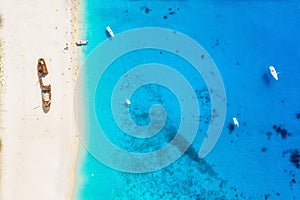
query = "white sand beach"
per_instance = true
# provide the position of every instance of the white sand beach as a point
(39, 149)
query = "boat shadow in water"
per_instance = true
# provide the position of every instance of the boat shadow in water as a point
(266, 79)
(107, 34)
(180, 143)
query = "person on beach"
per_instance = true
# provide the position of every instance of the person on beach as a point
(66, 47)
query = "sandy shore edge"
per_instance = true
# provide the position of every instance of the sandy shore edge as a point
(39, 149)
(77, 13)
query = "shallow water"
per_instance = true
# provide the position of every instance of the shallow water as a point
(253, 161)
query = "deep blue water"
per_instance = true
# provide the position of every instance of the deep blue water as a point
(253, 161)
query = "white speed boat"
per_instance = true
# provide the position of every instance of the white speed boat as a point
(273, 72)
(110, 32)
(236, 122)
(128, 102)
(81, 42)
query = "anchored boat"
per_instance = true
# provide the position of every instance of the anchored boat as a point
(128, 102)
(273, 72)
(236, 122)
(110, 32)
(81, 42)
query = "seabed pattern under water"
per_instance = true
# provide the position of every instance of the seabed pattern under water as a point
(258, 160)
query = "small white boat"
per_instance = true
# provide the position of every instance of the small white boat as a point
(128, 102)
(236, 122)
(81, 42)
(110, 32)
(273, 72)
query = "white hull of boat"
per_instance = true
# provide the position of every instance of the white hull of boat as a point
(110, 32)
(128, 102)
(81, 42)
(273, 72)
(236, 122)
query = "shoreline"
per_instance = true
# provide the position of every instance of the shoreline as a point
(74, 36)
(77, 26)
(40, 150)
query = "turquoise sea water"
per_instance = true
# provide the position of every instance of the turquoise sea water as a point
(258, 160)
